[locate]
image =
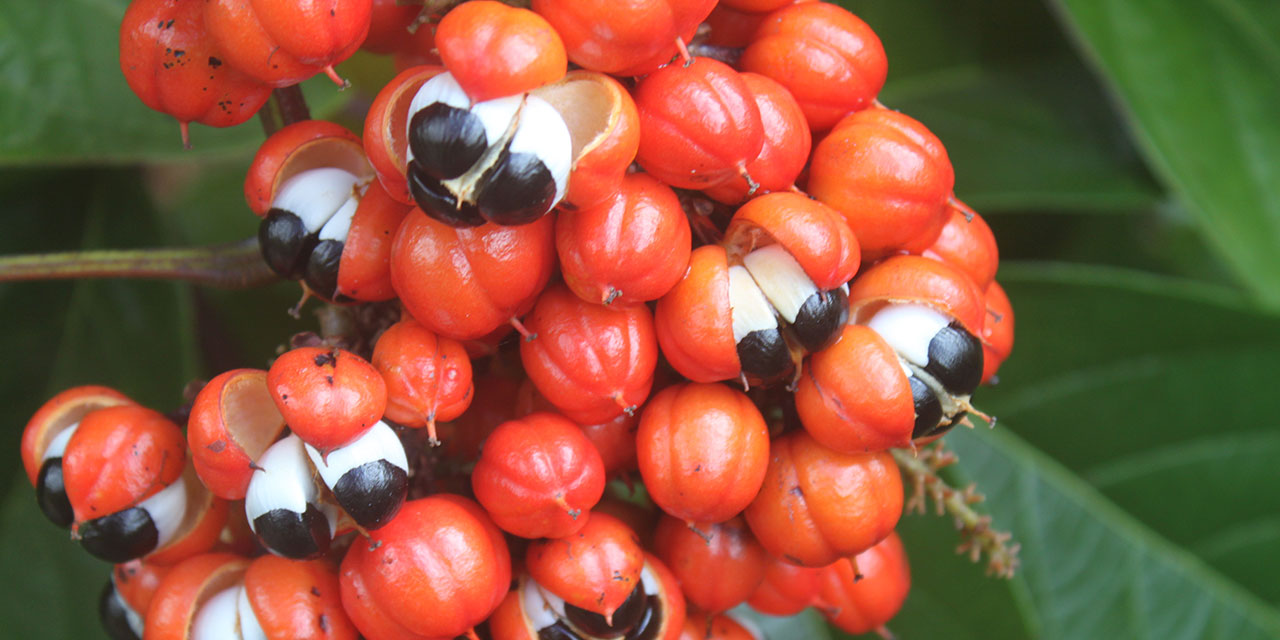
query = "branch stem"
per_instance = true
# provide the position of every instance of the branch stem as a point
(236, 265)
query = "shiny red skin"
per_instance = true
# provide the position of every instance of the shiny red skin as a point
(118, 457)
(633, 247)
(494, 402)
(591, 361)
(594, 569)
(854, 396)
(967, 244)
(64, 409)
(828, 58)
(721, 626)
(614, 439)
(439, 568)
(817, 505)
(136, 582)
(329, 397)
(997, 330)
(428, 377)
(297, 599)
(539, 476)
(787, 588)
(707, 111)
(888, 175)
(232, 421)
(185, 588)
(174, 66)
(465, 283)
(917, 280)
(364, 273)
(389, 22)
(282, 43)
(703, 450)
(495, 50)
(786, 146)
(623, 39)
(864, 594)
(813, 233)
(694, 323)
(419, 50)
(300, 146)
(728, 551)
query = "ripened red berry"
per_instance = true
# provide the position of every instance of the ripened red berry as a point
(119, 456)
(862, 593)
(699, 625)
(282, 43)
(631, 248)
(817, 505)
(888, 175)
(328, 397)
(539, 476)
(703, 450)
(438, 569)
(389, 22)
(596, 384)
(627, 39)
(828, 58)
(364, 268)
(615, 439)
(966, 243)
(428, 377)
(813, 234)
(697, 552)
(913, 279)
(704, 109)
(786, 146)
(787, 588)
(295, 599)
(233, 420)
(465, 283)
(175, 66)
(694, 320)
(129, 591)
(595, 569)
(496, 50)
(605, 130)
(188, 585)
(997, 330)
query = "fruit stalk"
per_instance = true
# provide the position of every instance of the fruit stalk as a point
(236, 265)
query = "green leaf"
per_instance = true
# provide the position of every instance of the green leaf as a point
(1197, 81)
(1089, 570)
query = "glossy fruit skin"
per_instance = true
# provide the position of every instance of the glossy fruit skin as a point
(594, 569)
(787, 589)
(465, 283)
(693, 320)
(120, 456)
(428, 377)
(614, 439)
(632, 248)
(174, 66)
(58, 413)
(817, 505)
(864, 594)
(495, 402)
(854, 396)
(997, 330)
(328, 397)
(389, 26)
(706, 110)
(386, 126)
(297, 599)
(628, 39)
(919, 280)
(233, 420)
(718, 565)
(828, 58)
(813, 233)
(364, 273)
(439, 568)
(600, 162)
(496, 50)
(136, 582)
(785, 149)
(539, 476)
(888, 175)
(283, 43)
(703, 450)
(595, 385)
(720, 626)
(297, 147)
(185, 588)
(967, 244)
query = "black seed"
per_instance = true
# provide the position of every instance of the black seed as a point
(438, 202)
(445, 140)
(558, 631)
(52, 495)
(820, 318)
(517, 189)
(285, 243)
(121, 536)
(928, 408)
(650, 624)
(764, 356)
(955, 359)
(625, 618)
(322, 267)
(114, 615)
(298, 536)
(372, 492)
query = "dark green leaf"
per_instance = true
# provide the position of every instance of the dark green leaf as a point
(1198, 82)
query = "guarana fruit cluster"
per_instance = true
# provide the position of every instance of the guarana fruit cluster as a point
(737, 281)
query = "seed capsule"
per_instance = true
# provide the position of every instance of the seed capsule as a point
(283, 503)
(369, 477)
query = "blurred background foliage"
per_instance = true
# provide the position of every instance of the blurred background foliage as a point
(1125, 152)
